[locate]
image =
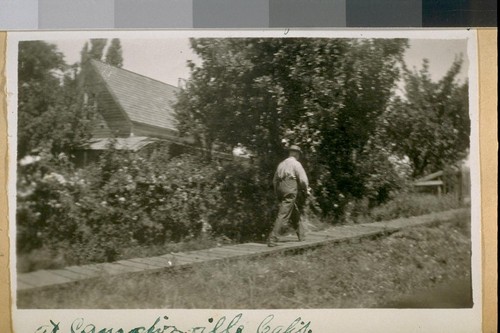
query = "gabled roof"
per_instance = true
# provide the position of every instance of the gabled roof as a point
(144, 100)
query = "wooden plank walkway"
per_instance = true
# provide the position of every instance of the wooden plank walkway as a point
(73, 274)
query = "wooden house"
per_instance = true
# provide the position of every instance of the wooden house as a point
(130, 104)
(133, 109)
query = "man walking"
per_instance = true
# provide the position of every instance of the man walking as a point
(291, 187)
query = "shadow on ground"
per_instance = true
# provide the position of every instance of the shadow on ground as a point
(450, 295)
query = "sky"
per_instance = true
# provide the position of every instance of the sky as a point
(441, 54)
(166, 59)
(161, 59)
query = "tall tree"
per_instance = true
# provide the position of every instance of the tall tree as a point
(39, 87)
(50, 117)
(114, 54)
(84, 53)
(430, 123)
(324, 94)
(95, 51)
(97, 46)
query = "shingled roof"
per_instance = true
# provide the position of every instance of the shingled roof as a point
(144, 100)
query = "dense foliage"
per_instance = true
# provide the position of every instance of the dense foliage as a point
(324, 94)
(50, 118)
(245, 207)
(430, 123)
(95, 213)
(122, 201)
(334, 97)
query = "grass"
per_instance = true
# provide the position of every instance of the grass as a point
(370, 274)
(413, 204)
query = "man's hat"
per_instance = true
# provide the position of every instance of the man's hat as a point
(294, 148)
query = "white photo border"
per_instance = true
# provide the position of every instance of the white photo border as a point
(322, 320)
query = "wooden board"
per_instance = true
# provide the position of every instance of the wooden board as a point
(89, 270)
(236, 248)
(42, 278)
(153, 262)
(114, 269)
(183, 257)
(228, 253)
(70, 274)
(206, 254)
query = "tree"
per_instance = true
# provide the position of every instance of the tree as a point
(39, 88)
(114, 54)
(84, 53)
(50, 115)
(97, 46)
(430, 123)
(96, 50)
(324, 94)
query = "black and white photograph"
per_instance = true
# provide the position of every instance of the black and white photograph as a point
(244, 171)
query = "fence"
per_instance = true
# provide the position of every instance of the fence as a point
(452, 180)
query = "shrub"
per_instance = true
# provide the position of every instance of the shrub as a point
(246, 207)
(97, 212)
(44, 203)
